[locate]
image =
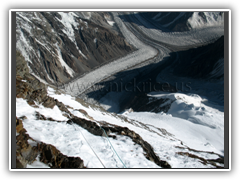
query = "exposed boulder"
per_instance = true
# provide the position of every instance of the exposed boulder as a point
(50, 155)
(25, 153)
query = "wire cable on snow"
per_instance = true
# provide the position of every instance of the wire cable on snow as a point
(113, 147)
(90, 146)
(108, 141)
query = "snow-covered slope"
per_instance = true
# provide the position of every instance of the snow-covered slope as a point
(180, 142)
(206, 127)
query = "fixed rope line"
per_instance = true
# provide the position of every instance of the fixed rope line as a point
(113, 147)
(90, 147)
(108, 141)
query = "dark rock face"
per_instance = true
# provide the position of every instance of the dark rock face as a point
(144, 103)
(200, 62)
(25, 153)
(60, 46)
(50, 155)
(179, 21)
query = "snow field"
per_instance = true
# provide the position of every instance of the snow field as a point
(71, 141)
(206, 120)
(23, 109)
(147, 126)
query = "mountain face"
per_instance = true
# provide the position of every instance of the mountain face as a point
(138, 90)
(59, 46)
(184, 21)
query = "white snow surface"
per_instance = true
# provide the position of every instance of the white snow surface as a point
(71, 139)
(110, 22)
(24, 109)
(196, 124)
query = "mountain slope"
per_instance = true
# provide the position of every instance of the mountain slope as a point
(184, 21)
(61, 45)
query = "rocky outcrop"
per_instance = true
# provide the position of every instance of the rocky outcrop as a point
(30, 88)
(51, 156)
(143, 103)
(25, 153)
